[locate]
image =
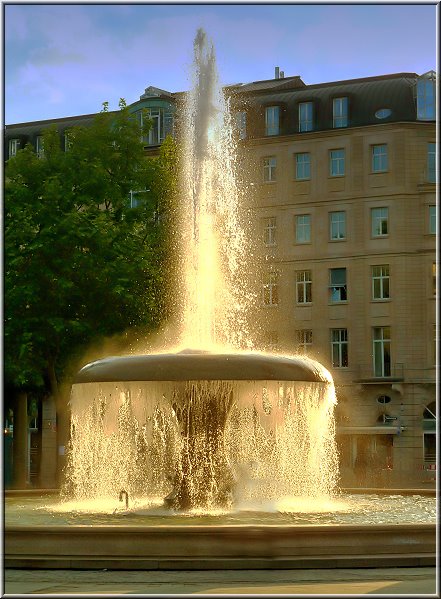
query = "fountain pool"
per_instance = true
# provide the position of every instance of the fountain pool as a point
(352, 530)
(345, 508)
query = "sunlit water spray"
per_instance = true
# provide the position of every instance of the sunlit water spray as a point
(215, 247)
(206, 444)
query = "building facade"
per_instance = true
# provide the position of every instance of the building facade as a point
(344, 201)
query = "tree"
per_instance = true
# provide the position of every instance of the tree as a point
(80, 263)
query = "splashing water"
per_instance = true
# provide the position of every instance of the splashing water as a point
(215, 246)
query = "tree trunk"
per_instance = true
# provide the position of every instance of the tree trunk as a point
(21, 442)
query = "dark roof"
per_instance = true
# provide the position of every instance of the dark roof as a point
(365, 97)
(34, 127)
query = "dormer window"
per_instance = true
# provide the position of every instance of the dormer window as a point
(39, 146)
(14, 145)
(241, 124)
(425, 96)
(305, 116)
(272, 120)
(339, 112)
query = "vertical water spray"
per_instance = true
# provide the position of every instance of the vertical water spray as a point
(214, 311)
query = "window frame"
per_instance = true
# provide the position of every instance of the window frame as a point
(338, 292)
(339, 348)
(304, 341)
(13, 147)
(269, 231)
(39, 146)
(338, 223)
(306, 124)
(431, 162)
(379, 158)
(340, 120)
(338, 161)
(270, 287)
(426, 103)
(270, 169)
(379, 219)
(272, 123)
(241, 123)
(380, 282)
(305, 227)
(303, 165)
(382, 367)
(304, 287)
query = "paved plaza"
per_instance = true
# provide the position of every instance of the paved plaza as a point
(366, 581)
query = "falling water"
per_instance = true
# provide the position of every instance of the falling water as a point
(227, 442)
(215, 248)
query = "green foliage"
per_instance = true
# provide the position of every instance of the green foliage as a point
(80, 264)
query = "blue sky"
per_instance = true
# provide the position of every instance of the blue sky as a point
(67, 59)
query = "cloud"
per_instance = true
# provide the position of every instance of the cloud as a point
(77, 56)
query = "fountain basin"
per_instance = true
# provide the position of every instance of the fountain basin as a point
(219, 547)
(402, 533)
(194, 365)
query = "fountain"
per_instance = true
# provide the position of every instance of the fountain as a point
(237, 440)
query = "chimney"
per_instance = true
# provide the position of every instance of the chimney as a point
(276, 73)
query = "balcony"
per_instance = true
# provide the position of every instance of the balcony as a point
(400, 373)
(364, 374)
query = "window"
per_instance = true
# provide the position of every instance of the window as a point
(303, 228)
(269, 169)
(39, 146)
(303, 165)
(383, 399)
(383, 113)
(304, 341)
(14, 145)
(269, 231)
(337, 226)
(380, 222)
(303, 287)
(434, 278)
(337, 285)
(272, 118)
(67, 141)
(432, 220)
(271, 339)
(339, 112)
(426, 96)
(381, 351)
(337, 163)
(431, 162)
(241, 124)
(379, 158)
(270, 296)
(339, 348)
(136, 199)
(305, 116)
(380, 282)
(156, 133)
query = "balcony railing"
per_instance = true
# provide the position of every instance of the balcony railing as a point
(398, 373)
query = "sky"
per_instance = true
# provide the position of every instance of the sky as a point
(67, 59)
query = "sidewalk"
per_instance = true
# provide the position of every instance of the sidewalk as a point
(372, 581)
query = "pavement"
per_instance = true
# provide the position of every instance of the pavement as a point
(411, 581)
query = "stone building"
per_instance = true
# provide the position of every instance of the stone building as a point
(344, 200)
